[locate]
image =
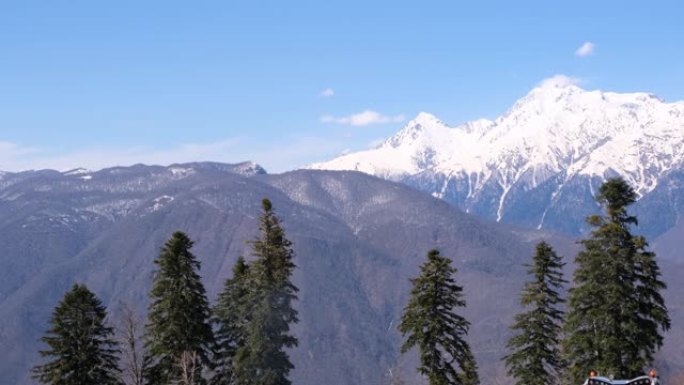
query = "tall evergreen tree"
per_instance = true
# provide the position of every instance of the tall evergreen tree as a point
(178, 326)
(81, 347)
(616, 312)
(230, 316)
(262, 360)
(431, 323)
(535, 356)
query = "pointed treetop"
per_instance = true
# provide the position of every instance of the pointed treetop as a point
(616, 314)
(266, 204)
(543, 246)
(430, 322)
(433, 253)
(81, 349)
(180, 236)
(543, 251)
(79, 289)
(177, 332)
(616, 195)
(240, 267)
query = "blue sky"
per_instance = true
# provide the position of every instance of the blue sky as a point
(100, 83)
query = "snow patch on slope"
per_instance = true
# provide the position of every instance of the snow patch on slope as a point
(77, 171)
(159, 202)
(181, 172)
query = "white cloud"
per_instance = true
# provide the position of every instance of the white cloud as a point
(364, 118)
(585, 49)
(327, 93)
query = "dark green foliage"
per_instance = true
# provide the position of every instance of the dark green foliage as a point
(534, 356)
(230, 316)
(616, 312)
(431, 323)
(262, 360)
(468, 375)
(178, 334)
(82, 351)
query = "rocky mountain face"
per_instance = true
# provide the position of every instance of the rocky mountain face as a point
(358, 239)
(539, 164)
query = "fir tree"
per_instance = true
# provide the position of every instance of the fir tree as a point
(431, 323)
(262, 360)
(616, 312)
(535, 356)
(178, 326)
(230, 315)
(82, 350)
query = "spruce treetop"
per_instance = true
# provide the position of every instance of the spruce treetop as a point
(273, 251)
(430, 322)
(535, 357)
(616, 312)
(262, 358)
(266, 205)
(80, 343)
(178, 332)
(615, 195)
(240, 268)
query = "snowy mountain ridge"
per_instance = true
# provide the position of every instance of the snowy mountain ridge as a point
(558, 130)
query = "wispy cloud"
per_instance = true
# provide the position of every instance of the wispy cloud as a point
(327, 93)
(10, 150)
(585, 49)
(364, 118)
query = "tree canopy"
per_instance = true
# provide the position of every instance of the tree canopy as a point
(430, 322)
(263, 359)
(616, 312)
(81, 349)
(535, 356)
(178, 335)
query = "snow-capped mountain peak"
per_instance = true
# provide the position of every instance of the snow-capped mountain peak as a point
(425, 119)
(423, 127)
(558, 83)
(557, 128)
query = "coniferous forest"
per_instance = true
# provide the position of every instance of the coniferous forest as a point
(611, 322)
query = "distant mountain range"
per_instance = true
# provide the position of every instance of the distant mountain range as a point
(358, 239)
(540, 163)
